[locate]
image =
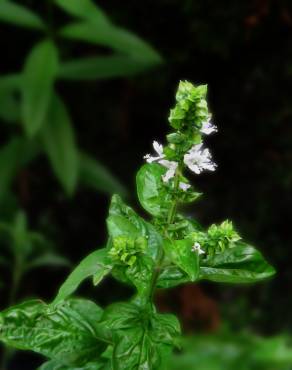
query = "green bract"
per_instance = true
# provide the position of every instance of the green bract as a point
(167, 250)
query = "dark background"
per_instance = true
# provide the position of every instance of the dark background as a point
(243, 51)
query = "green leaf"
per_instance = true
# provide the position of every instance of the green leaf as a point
(39, 74)
(151, 193)
(123, 220)
(96, 176)
(171, 276)
(142, 339)
(101, 67)
(86, 9)
(52, 332)
(113, 37)
(241, 264)
(180, 253)
(10, 85)
(57, 136)
(19, 15)
(95, 264)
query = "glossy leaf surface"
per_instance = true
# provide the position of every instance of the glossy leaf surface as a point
(181, 254)
(151, 193)
(241, 264)
(33, 325)
(95, 264)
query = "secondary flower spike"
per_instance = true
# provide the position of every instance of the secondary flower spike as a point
(198, 159)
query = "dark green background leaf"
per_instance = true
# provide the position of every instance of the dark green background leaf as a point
(96, 176)
(58, 139)
(40, 71)
(19, 15)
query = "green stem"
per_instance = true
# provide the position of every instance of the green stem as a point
(170, 218)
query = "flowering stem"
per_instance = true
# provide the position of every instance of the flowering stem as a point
(170, 219)
(172, 211)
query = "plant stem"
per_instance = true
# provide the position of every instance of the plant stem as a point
(170, 219)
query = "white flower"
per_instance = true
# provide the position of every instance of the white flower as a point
(208, 127)
(197, 248)
(198, 159)
(158, 149)
(183, 186)
(171, 168)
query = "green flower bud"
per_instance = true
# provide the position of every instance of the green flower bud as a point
(126, 249)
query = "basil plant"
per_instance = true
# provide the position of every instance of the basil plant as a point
(167, 250)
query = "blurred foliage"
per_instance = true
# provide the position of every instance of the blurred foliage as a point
(231, 351)
(30, 97)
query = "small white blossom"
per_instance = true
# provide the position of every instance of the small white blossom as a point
(197, 248)
(183, 186)
(208, 127)
(171, 168)
(158, 149)
(199, 159)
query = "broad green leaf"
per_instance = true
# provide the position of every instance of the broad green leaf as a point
(39, 74)
(96, 263)
(52, 332)
(18, 15)
(151, 192)
(10, 86)
(123, 220)
(119, 225)
(180, 253)
(86, 9)
(171, 276)
(113, 37)
(241, 264)
(142, 339)
(57, 136)
(101, 67)
(96, 176)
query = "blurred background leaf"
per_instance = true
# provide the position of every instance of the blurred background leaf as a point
(58, 139)
(39, 75)
(19, 15)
